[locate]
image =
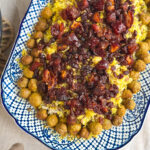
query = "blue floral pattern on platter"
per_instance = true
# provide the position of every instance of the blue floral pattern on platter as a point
(18, 108)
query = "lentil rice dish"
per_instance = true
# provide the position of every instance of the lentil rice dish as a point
(83, 62)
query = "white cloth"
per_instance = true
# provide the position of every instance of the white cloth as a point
(14, 10)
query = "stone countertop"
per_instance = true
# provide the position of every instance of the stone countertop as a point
(10, 133)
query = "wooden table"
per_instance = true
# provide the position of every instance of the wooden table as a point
(10, 133)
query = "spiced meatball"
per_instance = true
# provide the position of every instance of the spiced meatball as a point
(134, 75)
(46, 13)
(117, 120)
(38, 35)
(33, 85)
(30, 43)
(25, 93)
(145, 57)
(74, 129)
(36, 52)
(139, 65)
(106, 124)
(22, 82)
(134, 86)
(145, 18)
(95, 128)
(37, 60)
(52, 120)
(26, 60)
(28, 73)
(144, 46)
(84, 133)
(148, 33)
(42, 114)
(121, 111)
(35, 99)
(141, 52)
(129, 104)
(41, 25)
(148, 42)
(147, 1)
(127, 94)
(61, 128)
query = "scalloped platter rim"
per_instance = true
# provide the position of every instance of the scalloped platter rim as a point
(113, 139)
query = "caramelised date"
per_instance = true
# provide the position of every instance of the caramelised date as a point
(55, 30)
(70, 13)
(83, 4)
(99, 5)
(93, 42)
(103, 45)
(118, 27)
(73, 40)
(132, 48)
(128, 18)
(103, 64)
(111, 17)
(110, 5)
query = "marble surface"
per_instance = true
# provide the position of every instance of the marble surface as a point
(10, 133)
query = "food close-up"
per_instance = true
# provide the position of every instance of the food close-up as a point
(82, 64)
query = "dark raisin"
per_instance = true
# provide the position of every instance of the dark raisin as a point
(126, 72)
(55, 30)
(100, 120)
(71, 119)
(103, 64)
(120, 76)
(111, 17)
(118, 27)
(110, 104)
(72, 13)
(99, 5)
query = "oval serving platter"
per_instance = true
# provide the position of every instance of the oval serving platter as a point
(24, 114)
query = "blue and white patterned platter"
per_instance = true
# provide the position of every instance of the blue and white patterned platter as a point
(19, 108)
